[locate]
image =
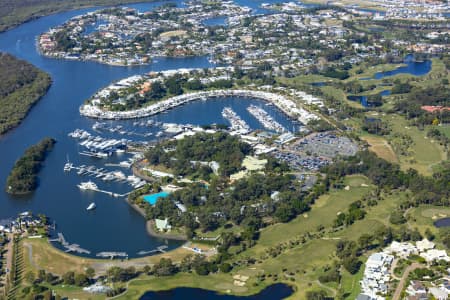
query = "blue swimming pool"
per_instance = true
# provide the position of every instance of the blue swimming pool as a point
(152, 198)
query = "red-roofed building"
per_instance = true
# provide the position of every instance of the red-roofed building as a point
(434, 108)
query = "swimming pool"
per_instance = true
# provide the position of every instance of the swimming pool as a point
(152, 198)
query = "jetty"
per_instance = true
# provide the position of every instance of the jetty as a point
(265, 119)
(160, 249)
(69, 247)
(237, 124)
(111, 254)
(105, 175)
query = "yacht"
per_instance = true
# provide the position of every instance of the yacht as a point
(91, 206)
(68, 166)
(88, 185)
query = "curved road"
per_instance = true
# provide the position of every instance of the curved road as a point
(400, 286)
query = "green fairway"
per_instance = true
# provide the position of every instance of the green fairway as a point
(424, 152)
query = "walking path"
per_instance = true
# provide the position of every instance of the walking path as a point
(400, 286)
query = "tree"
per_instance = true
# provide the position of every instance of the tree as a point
(30, 277)
(225, 268)
(90, 272)
(81, 280)
(69, 278)
(397, 218)
(352, 264)
(165, 267)
(316, 295)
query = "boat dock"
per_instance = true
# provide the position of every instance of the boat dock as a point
(265, 119)
(99, 127)
(69, 247)
(105, 175)
(112, 254)
(237, 124)
(160, 249)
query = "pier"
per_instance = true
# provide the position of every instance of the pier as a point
(111, 254)
(160, 249)
(69, 247)
(237, 124)
(265, 119)
(105, 175)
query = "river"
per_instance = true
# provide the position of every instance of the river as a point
(114, 225)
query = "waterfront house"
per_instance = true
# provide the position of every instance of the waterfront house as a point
(163, 225)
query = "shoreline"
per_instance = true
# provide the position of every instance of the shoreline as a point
(282, 102)
(150, 223)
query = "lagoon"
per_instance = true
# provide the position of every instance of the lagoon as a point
(444, 222)
(274, 292)
(413, 67)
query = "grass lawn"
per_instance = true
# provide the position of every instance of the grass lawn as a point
(299, 266)
(304, 79)
(350, 283)
(380, 147)
(223, 283)
(323, 212)
(425, 152)
(424, 216)
(445, 129)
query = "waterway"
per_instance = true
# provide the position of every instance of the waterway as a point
(364, 100)
(412, 67)
(114, 225)
(274, 292)
(444, 222)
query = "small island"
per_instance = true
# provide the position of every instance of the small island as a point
(21, 86)
(23, 177)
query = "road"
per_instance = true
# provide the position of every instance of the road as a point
(401, 284)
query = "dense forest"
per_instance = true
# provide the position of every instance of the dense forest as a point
(21, 86)
(23, 177)
(16, 12)
(185, 157)
(251, 202)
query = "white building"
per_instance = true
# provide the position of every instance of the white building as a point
(376, 275)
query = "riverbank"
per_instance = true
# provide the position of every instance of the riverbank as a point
(15, 13)
(22, 86)
(150, 225)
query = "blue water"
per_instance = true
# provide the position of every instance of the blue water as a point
(364, 100)
(154, 197)
(412, 67)
(109, 227)
(274, 292)
(444, 222)
(216, 21)
(255, 5)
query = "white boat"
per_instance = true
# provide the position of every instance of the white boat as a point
(91, 206)
(68, 166)
(88, 185)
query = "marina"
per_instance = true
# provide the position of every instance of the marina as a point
(286, 105)
(102, 127)
(237, 124)
(58, 196)
(98, 146)
(104, 175)
(265, 119)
